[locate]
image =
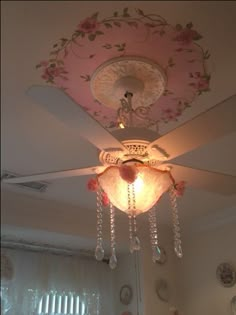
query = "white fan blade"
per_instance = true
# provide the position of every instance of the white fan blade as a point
(210, 181)
(54, 175)
(59, 104)
(216, 122)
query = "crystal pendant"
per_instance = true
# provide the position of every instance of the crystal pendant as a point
(156, 255)
(135, 244)
(178, 249)
(113, 261)
(99, 253)
(131, 249)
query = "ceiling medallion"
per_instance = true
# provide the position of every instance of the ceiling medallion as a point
(143, 78)
(168, 69)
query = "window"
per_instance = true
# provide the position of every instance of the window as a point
(55, 303)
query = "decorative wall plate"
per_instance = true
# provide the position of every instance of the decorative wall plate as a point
(162, 290)
(174, 49)
(226, 275)
(126, 294)
(233, 305)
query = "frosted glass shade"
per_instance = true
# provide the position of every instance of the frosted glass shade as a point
(148, 187)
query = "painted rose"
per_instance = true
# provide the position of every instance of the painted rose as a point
(169, 114)
(187, 35)
(89, 25)
(203, 84)
(128, 173)
(180, 188)
(92, 184)
(105, 199)
(52, 72)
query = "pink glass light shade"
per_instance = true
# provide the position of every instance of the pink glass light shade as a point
(144, 193)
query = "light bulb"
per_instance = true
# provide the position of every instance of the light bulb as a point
(138, 184)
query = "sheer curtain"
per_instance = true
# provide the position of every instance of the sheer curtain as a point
(45, 283)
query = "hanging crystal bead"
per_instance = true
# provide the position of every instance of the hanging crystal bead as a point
(113, 259)
(136, 243)
(156, 255)
(99, 251)
(135, 240)
(178, 248)
(175, 221)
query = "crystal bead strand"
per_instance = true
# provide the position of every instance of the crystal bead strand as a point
(135, 241)
(156, 252)
(113, 259)
(175, 221)
(130, 233)
(99, 252)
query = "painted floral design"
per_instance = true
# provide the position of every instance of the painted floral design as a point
(89, 25)
(52, 69)
(202, 82)
(96, 39)
(186, 35)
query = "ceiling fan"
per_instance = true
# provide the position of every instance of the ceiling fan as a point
(185, 138)
(125, 92)
(150, 159)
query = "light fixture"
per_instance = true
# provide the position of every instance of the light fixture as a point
(131, 183)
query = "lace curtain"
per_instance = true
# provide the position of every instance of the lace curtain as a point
(49, 284)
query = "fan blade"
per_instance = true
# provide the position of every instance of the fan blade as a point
(210, 181)
(59, 104)
(216, 122)
(54, 175)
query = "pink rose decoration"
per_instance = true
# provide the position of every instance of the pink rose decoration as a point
(180, 188)
(128, 173)
(187, 35)
(88, 25)
(92, 184)
(105, 199)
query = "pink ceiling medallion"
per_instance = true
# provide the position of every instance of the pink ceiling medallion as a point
(173, 52)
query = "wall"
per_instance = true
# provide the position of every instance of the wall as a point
(151, 273)
(127, 273)
(204, 250)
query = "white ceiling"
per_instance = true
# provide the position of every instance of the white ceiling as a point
(33, 141)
